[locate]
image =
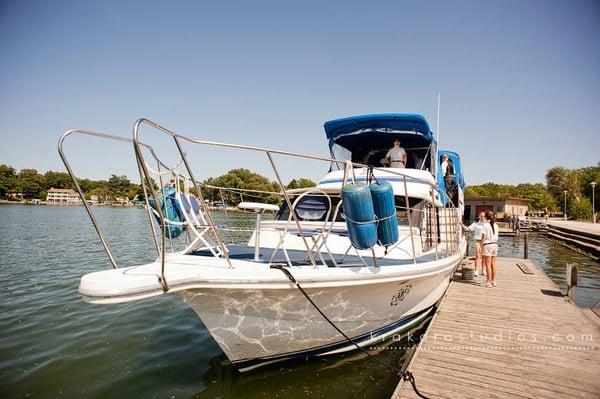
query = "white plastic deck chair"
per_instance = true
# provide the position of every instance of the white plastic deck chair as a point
(195, 221)
(314, 233)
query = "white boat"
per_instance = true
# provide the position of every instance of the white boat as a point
(246, 301)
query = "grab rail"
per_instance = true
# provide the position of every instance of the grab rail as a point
(89, 211)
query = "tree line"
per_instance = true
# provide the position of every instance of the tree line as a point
(551, 196)
(32, 184)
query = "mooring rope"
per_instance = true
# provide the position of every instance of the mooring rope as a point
(404, 375)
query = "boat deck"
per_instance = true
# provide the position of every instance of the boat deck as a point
(300, 258)
(521, 339)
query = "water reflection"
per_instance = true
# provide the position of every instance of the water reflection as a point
(552, 258)
(341, 376)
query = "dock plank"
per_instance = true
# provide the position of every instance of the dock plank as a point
(521, 339)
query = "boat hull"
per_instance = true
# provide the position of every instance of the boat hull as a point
(260, 326)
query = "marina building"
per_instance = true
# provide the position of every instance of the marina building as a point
(501, 206)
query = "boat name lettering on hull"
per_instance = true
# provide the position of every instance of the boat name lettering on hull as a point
(401, 294)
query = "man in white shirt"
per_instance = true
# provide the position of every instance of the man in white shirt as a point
(444, 164)
(477, 229)
(448, 174)
(396, 156)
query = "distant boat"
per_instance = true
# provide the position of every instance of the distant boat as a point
(243, 292)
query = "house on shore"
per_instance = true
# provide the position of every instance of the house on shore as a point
(15, 196)
(62, 196)
(121, 201)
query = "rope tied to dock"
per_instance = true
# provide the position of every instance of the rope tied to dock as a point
(403, 375)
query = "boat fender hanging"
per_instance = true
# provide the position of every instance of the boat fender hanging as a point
(170, 211)
(382, 194)
(360, 215)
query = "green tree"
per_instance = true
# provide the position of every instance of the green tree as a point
(31, 183)
(57, 180)
(102, 191)
(119, 186)
(88, 185)
(301, 183)
(580, 210)
(588, 175)
(541, 198)
(243, 179)
(559, 180)
(8, 179)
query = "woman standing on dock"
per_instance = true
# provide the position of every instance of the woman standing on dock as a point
(489, 248)
(477, 229)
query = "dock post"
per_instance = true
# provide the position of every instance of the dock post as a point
(571, 280)
(525, 246)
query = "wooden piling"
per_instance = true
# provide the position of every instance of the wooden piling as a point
(571, 280)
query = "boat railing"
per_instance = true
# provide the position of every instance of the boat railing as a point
(443, 235)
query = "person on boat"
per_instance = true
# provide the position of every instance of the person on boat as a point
(396, 156)
(489, 247)
(417, 163)
(448, 173)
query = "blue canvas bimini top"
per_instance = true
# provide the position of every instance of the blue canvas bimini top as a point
(380, 122)
(379, 130)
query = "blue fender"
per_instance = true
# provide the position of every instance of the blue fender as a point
(360, 216)
(385, 210)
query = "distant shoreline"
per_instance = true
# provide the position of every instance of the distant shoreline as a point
(31, 203)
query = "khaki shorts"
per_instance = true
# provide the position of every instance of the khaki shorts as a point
(490, 250)
(478, 248)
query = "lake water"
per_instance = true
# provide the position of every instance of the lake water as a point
(55, 345)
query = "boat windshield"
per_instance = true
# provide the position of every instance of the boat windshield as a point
(341, 154)
(366, 139)
(375, 153)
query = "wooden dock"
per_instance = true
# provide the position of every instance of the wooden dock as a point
(521, 339)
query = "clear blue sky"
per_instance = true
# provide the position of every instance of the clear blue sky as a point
(520, 80)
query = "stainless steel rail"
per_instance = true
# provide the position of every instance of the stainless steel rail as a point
(78, 187)
(148, 188)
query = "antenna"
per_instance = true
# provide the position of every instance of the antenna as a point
(437, 138)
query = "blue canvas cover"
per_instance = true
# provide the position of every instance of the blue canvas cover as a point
(381, 122)
(458, 173)
(354, 131)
